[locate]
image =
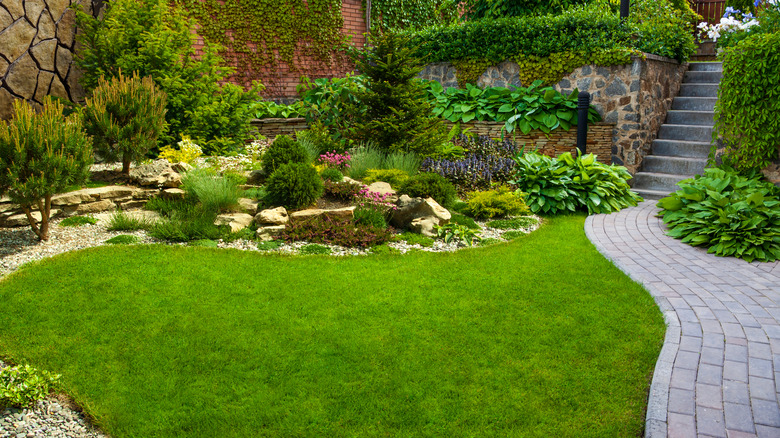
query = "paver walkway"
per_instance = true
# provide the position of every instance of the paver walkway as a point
(718, 374)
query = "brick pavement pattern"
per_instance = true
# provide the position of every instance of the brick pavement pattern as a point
(718, 374)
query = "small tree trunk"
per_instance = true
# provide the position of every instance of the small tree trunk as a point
(45, 209)
(32, 221)
(125, 166)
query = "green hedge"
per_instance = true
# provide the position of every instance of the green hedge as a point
(746, 114)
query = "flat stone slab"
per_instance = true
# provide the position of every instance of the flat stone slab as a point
(718, 374)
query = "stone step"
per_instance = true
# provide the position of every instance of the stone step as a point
(702, 77)
(673, 165)
(656, 181)
(678, 148)
(653, 195)
(705, 66)
(681, 117)
(694, 103)
(698, 90)
(685, 133)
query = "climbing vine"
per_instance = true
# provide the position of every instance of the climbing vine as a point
(411, 14)
(261, 35)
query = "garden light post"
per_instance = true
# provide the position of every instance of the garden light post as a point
(624, 9)
(583, 103)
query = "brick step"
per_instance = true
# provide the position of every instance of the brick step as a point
(694, 103)
(679, 148)
(682, 117)
(698, 90)
(673, 165)
(685, 133)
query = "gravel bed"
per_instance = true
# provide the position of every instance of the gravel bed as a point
(18, 246)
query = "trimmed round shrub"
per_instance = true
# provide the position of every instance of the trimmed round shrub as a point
(500, 202)
(331, 174)
(283, 150)
(294, 185)
(431, 185)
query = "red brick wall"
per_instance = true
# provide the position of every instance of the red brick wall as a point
(280, 82)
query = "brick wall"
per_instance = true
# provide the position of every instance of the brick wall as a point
(280, 82)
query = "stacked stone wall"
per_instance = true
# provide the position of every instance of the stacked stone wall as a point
(634, 97)
(270, 128)
(37, 45)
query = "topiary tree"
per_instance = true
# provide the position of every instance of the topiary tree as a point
(398, 116)
(294, 185)
(125, 116)
(282, 151)
(40, 155)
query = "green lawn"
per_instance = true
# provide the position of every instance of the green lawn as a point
(541, 337)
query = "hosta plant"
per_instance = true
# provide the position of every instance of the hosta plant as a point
(731, 214)
(457, 233)
(566, 183)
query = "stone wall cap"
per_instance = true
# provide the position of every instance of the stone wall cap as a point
(279, 120)
(653, 57)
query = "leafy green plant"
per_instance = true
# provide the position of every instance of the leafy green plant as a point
(731, 214)
(663, 29)
(433, 185)
(314, 249)
(333, 106)
(268, 109)
(501, 201)
(343, 191)
(269, 245)
(389, 15)
(367, 215)
(555, 185)
(534, 107)
(748, 120)
(216, 193)
(77, 221)
(517, 223)
(335, 231)
(21, 386)
(282, 151)
(458, 233)
(155, 39)
(122, 239)
(414, 239)
(461, 219)
(42, 154)
(397, 116)
(332, 174)
(187, 151)
(294, 185)
(478, 9)
(394, 177)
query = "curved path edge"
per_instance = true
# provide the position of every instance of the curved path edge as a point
(718, 373)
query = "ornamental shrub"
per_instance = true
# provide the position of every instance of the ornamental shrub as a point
(336, 231)
(662, 29)
(478, 9)
(40, 155)
(155, 38)
(730, 214)
(394, 177)
(425, 185)
(21, 386)
(282, 151)
(343, 191)
(555, 185)
(749, 101)
(332, 175)
(397, 115)
(187, 152)
(125, 116)
(294, 185)
(496, 203)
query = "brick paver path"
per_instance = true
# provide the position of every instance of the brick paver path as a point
(718, 374)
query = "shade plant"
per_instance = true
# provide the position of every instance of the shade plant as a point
(729, 213)
(569, 183)
(42, 154)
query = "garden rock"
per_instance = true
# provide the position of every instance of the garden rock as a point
(265, 234)
(409, 209)
(272, 216)
(346, 213)
(172, 194)
(248, 206)
(20, 220)
(424, 226)
(158, 173)
(384, 188)
(95, 207)
(236, 221)
(72, 198)
(349, 180)
(255, 177)
(181, 167)
(110, 192)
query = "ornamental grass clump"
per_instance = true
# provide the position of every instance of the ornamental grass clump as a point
(40, 155)
(214, 192)
(566, 183)
(125, 116)
(729, 213)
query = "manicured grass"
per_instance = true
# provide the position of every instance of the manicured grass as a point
(540, 337)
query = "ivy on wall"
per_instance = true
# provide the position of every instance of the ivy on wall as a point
(258, 34)
(411, 14)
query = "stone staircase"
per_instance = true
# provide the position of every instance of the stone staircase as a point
(683, 142)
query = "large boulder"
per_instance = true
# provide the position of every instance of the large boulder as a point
(236, 221)
(248, 206)
(158, 173)
(272, 216)
(408, 209)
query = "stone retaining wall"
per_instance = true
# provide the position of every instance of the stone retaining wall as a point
(36, 51)
(79, 202)
(635, 97)
(270, 128)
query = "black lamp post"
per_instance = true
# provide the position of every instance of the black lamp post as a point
(624, 4)
(583, 103)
